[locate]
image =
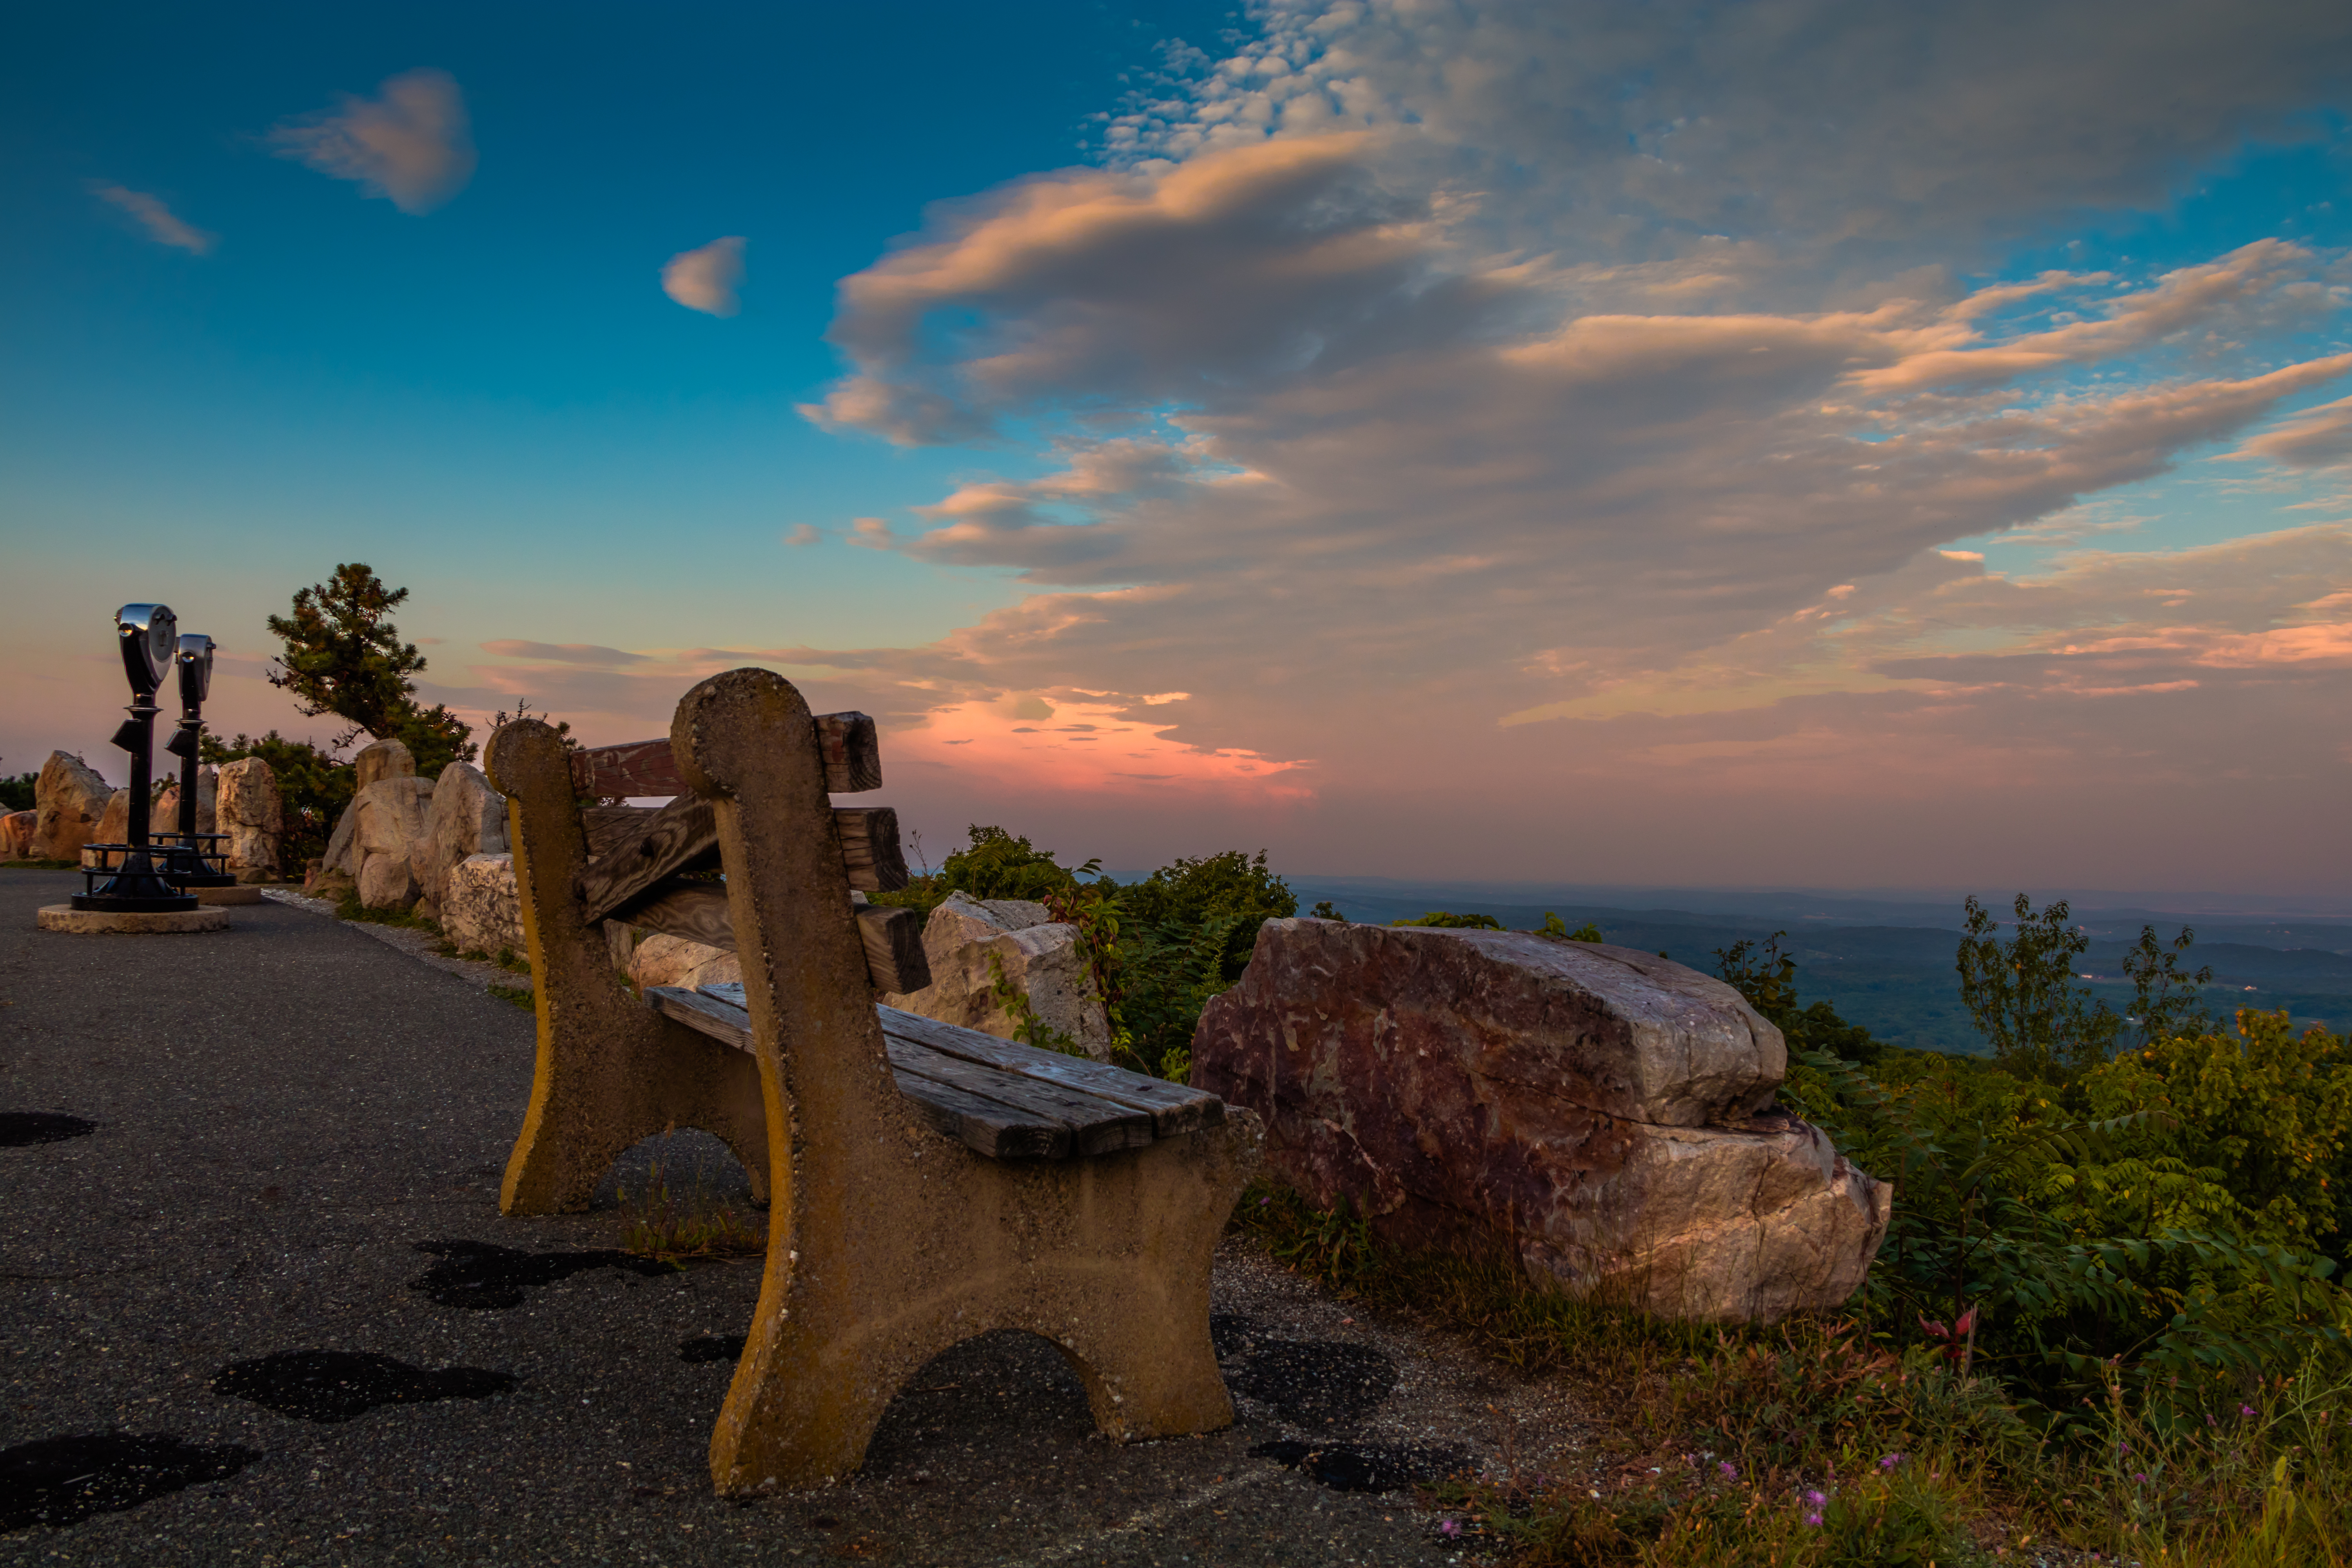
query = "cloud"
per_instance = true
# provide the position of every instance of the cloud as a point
(872, 534)
(1855, 135)
(412, 144)
(562, 653)
(705, 278)
(2318, 438)
(158, 220)
(803, 533)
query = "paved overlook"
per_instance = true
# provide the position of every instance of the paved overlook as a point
(276, 1260)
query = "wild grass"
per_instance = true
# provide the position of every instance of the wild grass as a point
(1815, 1443)
(673, 1221)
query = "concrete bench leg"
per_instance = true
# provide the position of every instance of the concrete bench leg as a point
(887, 1243)
(611, 1072)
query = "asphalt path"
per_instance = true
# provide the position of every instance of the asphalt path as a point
(285, 1113)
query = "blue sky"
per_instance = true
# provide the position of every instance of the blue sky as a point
(1635, 396)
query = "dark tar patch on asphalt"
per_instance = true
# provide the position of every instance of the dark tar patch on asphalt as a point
(63, 1480)
(335, 1386)
(22, 1129)
(479, 1276)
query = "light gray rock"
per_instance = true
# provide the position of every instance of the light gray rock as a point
(662, 959)
(17, 834)
(1041, 957)
(114, 822)
(167, 804)
(254, 818)
(1599, 1112)
(481, 911)
(390, 830)
(68, 802)
(381, 760)
(386, 882)
(467, 817)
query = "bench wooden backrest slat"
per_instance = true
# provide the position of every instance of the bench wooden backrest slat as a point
(851, 745)
(632, 848)
(696, 911)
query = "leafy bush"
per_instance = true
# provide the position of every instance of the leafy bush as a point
(1158, 949)
(16, 793)
(1448, 919)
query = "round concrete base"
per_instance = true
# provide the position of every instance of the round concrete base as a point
(103, 923)
(210, 896)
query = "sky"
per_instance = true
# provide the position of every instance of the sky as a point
(1798, 443)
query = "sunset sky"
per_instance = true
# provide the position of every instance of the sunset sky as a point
(1799, 443)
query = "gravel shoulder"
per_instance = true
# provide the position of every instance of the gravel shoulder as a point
(285, 1111)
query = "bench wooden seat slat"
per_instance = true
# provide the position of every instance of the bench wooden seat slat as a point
(1000, 1114)
(1174, 1108)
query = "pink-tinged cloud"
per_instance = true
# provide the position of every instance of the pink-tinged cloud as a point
(1090, 748)
(412, 144)
(2318, 438)
(158, 220)
(706, 278)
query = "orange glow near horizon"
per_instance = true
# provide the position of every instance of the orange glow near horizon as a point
(1090, 747)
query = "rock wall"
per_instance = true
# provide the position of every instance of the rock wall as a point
(167, 804)
(252, 814)
(69, 800)
(390, 825)
(1041, 957)
(480, 909)
(467, 817)
(1602, 1113)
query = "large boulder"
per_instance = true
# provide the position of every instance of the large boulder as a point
(68, 801)
(467, 817)
(968, 940)
(389, 828)
(480, 909)
(253, 816)
(167, 804)
(114, 822)
(381, 760)
(1603, 1114)
(17, 834)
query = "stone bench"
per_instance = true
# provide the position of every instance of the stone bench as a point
(926, 1184)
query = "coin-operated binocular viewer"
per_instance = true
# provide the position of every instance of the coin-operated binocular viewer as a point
(149, 634)
(189, 858)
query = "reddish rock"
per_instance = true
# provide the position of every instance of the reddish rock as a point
(1602, 1112)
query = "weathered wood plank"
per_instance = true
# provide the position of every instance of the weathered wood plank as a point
(721, 1020)
(981, 1122)
(850, 742)
(695, 910)
(605, 825)
(633, 767)
(1174, 1108)
(895, 959)
(680, 837)
(869, 848)
(853, 752)
(1092, 1126)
